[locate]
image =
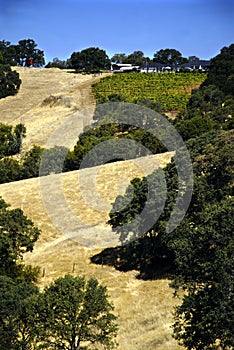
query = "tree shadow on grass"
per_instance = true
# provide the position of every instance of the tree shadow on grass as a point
(146, 255)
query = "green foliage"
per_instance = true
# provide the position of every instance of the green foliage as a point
(206, 261)
(194, 127)
(31, 162)
(26, 49)
(214, 99)
(8, 52)
(76, 312)
(136, 58)
(52, 160)
(10, 170)
(169, 56)
(90, 60)
(101, 134)
(11, 139)
(57, 63)
(221, 72)
(18, 54)
(17, 314)
(169, 91)
(9, 81)
(17, 236)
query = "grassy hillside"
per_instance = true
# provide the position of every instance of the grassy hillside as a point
(144, 308)
(47, 99)
(171, 91)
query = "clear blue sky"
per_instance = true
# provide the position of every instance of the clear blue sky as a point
(60, 27)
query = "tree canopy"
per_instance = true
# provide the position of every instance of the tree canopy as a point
(169, 56)
(17, 236)
(19, 54)
(9, 81)
(90, 60)
(76, 312)
(221, 72)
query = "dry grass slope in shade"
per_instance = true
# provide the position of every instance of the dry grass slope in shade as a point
(72, 214)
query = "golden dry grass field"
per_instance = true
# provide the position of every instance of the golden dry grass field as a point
(65, 206)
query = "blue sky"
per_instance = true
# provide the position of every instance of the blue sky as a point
(60, 27)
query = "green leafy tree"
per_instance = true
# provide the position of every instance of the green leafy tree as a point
(9, 81)
(76, 314)
(10, 170)
(90, 60)
(194, 127)
(52, 160)
(136, 58)
(11, 139)
(169, 56)
(17, 236)
(221, 72)
(57, 63)
(21, 52)
(5, 136)
(31, 162)
(205, 257)
(119, 58)
(27, 49)
(8, 53)
(17, 314)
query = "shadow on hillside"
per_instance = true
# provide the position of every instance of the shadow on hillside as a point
(146, 255)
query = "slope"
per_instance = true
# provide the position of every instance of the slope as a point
(67, 207)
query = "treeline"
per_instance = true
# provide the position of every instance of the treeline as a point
(89, 60)
(93, 59)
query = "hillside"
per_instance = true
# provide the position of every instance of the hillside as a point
(144, 307)
(74, 232)
(46, 99)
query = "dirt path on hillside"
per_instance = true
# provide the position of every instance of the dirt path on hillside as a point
(49, 99)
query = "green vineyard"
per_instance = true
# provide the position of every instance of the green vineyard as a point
(170, 90)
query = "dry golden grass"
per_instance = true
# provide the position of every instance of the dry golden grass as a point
(30, 106)
(72, 224)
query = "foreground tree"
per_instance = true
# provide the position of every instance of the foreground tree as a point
(76, 312)
(17, 314)
(90, 60)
